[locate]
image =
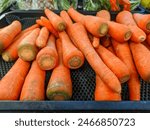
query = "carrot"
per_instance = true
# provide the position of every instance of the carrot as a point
(104, 93)
(11, 83)
(111, 49)
(126, 4)
(96, 42)
(39, 22)
(60, 84)
(143, 21)
(47, 58)
(72, 57)
(11, 54)
(77, 30)
(27, 49)
(148, 39)
(123, 52)
(57, 22)
(125, 17)
(45, 22)
(104, 14)
(141, 55)
(114, 6)
(33, 87)
(114, 63)
(8, 33)
(41, 41)
(105, 41)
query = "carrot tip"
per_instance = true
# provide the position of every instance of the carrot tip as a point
(142, 38)
(103, 29)
(127, 35)
(61, 26)
(75, 62)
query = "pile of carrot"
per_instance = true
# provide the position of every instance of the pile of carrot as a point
(118, 51)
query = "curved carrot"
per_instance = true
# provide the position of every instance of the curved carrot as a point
(123, 52)
(143, 21)
(33, 87)
(104, 14)
(41, 41)
(96, 42)
(60, 85)
(114, 64)
(72, 57)
(11, 83)
(47, 57)
(57, 22)
(77, 30)
(27, 49)
(8, 34)
(104, 93)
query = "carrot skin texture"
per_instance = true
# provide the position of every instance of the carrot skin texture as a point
(92, 57)
(60, 84)
(104, 14)
(11, 83)
(123, 52)
(8, 34)
(104, 93)
(47, 57)
(33, 87)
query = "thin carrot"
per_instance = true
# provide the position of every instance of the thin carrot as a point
(41, 41)
(148, 39)
(96, 42)
(27, 49)
(72, 57)
(47, 57)
(8, 33)
(60, 84)
(104, 14)
(114, 63)
(45, 22)
(125, 17)
(11, 83)
(33, 87)
(57, 22)
(141, 55)
(104, 93)
(123, 52)
(77, 30)
(11, 53)
(39, 22)
(105, 41)
(143, 21)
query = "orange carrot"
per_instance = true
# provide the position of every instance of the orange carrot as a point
(45, 22)
(11, 54)
(41, 41)
(104, 93)
(60, 84)
(11, 83)
(47, 57)
(72, 57)
(96, 42)
(104, 14)
(77, 30)
(57, 22)
(125, 17)
(8, 33)
(148, 39)
(123, 52)
(114, 63)
(33, 87)
(39, 22)
(27, 49)
(105, 41)
(141, 55)
(143, 21)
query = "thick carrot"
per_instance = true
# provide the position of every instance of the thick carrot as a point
(8, 34)
(11, 83)
(47, 57)
(125, 17)
(96, 42)
(11, 54)
(114, 63)
(143, 21)
(141, 55)
(57, 22)
(45, 22)
(104, 14)
(72, 57)
(41, 41)
(123, 52)
(105, 41)
(27, 49)
(34, 84)
(77, 30)
(104, 93)
(148, 39)
(60, 84)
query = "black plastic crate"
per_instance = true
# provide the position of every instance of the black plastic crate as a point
(83, 83)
